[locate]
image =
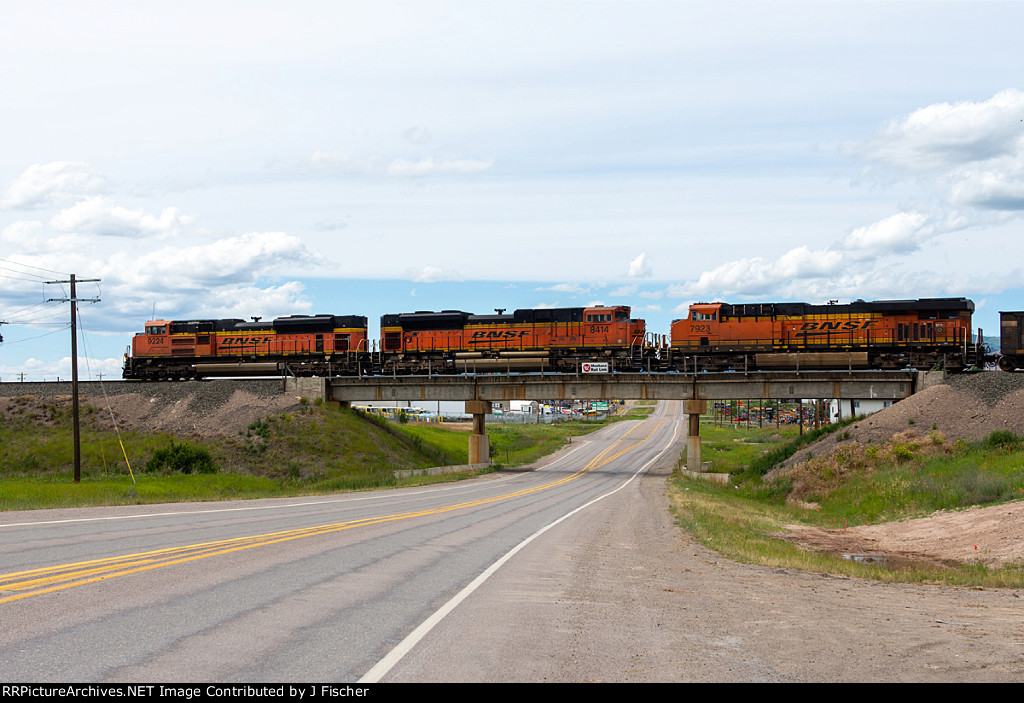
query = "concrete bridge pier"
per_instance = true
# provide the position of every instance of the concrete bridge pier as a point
(693, 410)
(479, 446)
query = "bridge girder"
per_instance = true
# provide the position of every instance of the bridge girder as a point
(723, 386)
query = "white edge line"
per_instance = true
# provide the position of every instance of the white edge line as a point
(381, 668)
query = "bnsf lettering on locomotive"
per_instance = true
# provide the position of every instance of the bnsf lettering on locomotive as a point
(239, 341)
(498, 334)
(830, 326)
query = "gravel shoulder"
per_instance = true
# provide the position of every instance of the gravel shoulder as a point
(622, 595)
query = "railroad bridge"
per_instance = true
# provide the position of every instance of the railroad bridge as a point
(479, 391)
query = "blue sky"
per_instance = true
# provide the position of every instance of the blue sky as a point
(209, 159)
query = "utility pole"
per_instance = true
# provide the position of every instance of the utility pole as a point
(74, 300)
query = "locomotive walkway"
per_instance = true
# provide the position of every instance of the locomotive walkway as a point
(480, 390)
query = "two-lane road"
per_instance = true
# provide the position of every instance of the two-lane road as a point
(333, 588)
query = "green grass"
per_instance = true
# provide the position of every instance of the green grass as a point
(518, 445)
(640, 410)
(317, 449)
(58, 490)
(734, 449)
(909, 476)
(510, 444)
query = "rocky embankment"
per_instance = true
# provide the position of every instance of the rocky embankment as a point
(200, 408)
(968, 407)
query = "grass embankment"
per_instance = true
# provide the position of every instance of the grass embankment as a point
(319, 449)
(510, 444)
(637, 410)
(911, 475)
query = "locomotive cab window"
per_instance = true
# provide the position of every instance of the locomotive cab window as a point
(705, 317)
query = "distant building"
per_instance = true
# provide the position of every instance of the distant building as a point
(859, 409)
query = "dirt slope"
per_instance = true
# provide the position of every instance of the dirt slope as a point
(189, 409)
(968, 407)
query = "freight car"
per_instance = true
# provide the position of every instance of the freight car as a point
(1011, 341)
(882, 334)
(558, 339)
(304, 345)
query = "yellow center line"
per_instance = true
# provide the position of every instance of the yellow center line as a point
(33, 582)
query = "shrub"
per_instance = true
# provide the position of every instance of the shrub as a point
(182, 458)
(1002, 439)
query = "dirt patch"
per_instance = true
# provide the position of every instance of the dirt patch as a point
(992, 536)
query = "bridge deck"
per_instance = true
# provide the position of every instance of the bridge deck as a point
(892, 385)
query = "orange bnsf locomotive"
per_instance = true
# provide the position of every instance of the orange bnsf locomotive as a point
(883, 334)
(556, 339)
(310, 345)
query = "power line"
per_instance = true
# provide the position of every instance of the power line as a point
(26, 311)
(38, 268)
(37, 319)
(20, 278)
(38, 336)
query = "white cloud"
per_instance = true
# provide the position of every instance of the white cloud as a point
(900, 234)
(573, 288)
(944, 135)
(432, 274)
(97, 215)
(997, 184)
(684, 307)
(759, 276)
(22, 232)
(343, 162)
(437, 167)
(248, 301)
(56, 183)
(972, 152)
(639, 267)
(231, 260)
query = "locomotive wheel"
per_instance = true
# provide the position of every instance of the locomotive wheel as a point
(1007, 363)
